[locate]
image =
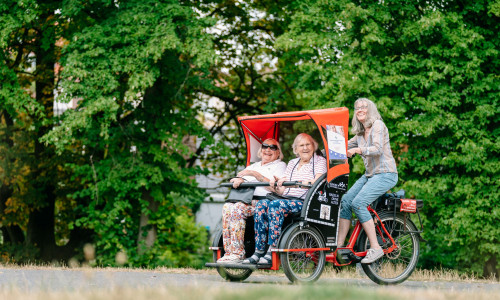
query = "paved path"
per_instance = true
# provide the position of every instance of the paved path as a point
(34, 280)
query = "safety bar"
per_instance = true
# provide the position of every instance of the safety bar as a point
(255, 184)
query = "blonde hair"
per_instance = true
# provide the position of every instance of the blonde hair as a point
(299, 138)
(259, 153)
(372, 115)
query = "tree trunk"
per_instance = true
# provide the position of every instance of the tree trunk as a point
(491, 268)
(147, 233)
(41, 221)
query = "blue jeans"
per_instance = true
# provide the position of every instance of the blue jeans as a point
(364, 192)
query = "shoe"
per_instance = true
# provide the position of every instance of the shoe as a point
(372, 255)
(223, 259)
(254, 259)
(230, 259)
(266, 259)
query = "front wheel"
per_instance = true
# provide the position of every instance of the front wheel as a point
(230, 273)
(396, 266)
(306, 265)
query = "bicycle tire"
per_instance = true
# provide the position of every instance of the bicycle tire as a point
(303, 266)
(397, 266)
(228, 274)
(231, 274)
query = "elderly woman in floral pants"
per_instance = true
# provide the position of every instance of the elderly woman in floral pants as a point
(234, 214)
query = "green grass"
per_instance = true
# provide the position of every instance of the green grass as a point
(254, 292)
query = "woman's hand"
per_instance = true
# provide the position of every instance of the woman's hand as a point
(236, 182)
(353, 151)
(272, 181)
(279, 189)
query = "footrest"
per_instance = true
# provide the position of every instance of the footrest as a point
(232, 266)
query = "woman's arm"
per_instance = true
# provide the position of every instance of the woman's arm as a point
(378, 140)
(278, 189)
(353, 142)
(255, 174)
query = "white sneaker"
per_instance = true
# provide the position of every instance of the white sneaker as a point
(372, 255)
(231, 259)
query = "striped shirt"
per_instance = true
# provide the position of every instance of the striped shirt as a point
(305, 173)
(269, 170)
(376, 151)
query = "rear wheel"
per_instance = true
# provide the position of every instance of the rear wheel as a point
(396, 266)
(303, 266)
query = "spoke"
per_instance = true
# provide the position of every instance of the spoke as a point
(398, 262)
(301, 263)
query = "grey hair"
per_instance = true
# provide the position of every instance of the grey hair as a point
(300, 137)
(281, 156)
(372, 115)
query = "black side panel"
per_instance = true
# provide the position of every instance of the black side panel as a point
(323, 207)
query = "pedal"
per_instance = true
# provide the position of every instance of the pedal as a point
(354, 258)
(344, 256)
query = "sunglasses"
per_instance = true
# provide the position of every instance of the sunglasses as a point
(272, 147)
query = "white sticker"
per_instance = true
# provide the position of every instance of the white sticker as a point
(336, 142)
(324, 212)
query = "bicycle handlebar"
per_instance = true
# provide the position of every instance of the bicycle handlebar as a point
(255, 184)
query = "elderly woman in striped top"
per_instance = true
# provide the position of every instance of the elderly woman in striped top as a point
(371, 141)
(269, 215)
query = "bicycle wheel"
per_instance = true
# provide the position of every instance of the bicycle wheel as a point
(232, 274)
(303, 266)
(229, 273)
(397, 266)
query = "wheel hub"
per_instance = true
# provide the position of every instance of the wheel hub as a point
(394, 254)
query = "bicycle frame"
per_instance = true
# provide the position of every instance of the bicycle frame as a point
(379, 226)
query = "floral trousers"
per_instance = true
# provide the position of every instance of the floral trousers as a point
(269, 217)
(233, 227)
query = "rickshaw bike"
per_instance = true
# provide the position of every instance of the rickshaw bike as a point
(309, 239)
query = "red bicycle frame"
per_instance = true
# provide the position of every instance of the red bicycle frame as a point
(332, 256)
(379, 227)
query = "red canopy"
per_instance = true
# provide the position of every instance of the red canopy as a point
(258, 128)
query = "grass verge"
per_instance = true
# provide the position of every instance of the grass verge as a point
(279, 292)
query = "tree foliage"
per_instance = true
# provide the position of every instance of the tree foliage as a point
(129, 65)
(431, 67)
(159, 85)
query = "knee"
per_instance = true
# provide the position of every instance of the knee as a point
(227, 208)
(358, 206)
(345, 210)
(262, 204)
(274, 207)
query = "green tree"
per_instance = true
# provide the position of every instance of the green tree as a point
(431, 67)
(34, 180)
(132, 66)
(244, 79)
(113, 171)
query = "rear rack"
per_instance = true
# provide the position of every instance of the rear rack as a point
(392, 202)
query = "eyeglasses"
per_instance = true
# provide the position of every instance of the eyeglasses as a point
(364, 107)
(272, 147)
